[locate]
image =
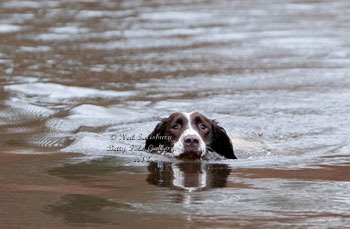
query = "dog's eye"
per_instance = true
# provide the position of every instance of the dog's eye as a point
(175, 127)
(203, 127)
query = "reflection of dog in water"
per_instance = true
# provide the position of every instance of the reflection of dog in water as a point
(190, 176)
(192, 135)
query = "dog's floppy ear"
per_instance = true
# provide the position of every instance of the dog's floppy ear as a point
(158, 131)
(221, 143)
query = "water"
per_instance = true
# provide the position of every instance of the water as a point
(76, 75)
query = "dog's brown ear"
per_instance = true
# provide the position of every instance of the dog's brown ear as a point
(158, 131)
(221, 143)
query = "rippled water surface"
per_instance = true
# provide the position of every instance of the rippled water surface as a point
(77, 75)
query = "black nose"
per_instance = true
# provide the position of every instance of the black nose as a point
(191, 140)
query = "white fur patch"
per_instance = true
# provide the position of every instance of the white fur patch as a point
(178, 148)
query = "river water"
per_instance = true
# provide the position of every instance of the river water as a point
(77, 76)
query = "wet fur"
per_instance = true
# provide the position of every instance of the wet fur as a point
(220, 142)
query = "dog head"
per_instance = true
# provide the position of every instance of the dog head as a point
(190, 136)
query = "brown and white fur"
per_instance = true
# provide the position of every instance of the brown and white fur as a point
(190, 136)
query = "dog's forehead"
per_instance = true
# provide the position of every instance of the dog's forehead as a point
(188, 116)
(197, 116)
(176, 115)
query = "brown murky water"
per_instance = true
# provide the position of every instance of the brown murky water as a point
(77, 75)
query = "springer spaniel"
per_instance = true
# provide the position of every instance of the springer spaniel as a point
(190, 136)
